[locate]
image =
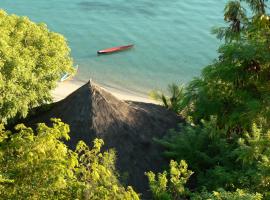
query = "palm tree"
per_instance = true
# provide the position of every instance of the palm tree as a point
(234, 14)
(257, 6)
(174, 100)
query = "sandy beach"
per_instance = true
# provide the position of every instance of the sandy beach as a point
(67, 87)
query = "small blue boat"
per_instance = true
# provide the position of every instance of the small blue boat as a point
(67, 76)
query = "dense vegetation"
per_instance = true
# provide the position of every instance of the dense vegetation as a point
(32, 59)
(235, 88)
(221, 153)
(226, 137)
(173, 102)
(38, 165)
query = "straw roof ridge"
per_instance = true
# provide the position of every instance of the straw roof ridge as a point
(126, 126)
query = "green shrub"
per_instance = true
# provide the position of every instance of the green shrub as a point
(224, 195)
(172, 187)
(38, 165)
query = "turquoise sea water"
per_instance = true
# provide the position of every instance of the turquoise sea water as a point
(172, 38)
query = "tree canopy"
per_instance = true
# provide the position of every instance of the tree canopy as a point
(226, 137)
(236, 86)
(226, 146)
(38, 165)
(32, 59)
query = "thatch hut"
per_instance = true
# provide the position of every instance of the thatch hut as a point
(128, 127)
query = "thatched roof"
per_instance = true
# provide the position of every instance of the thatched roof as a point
(128, 127)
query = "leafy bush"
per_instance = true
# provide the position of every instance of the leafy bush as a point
(206, 150)
(224, 195)
(219, 162)
(163, 187)
(173, 187)
(40, 166)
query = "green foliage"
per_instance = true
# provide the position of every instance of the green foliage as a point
(240, 24)
(38, 165)
(32, 59)
(174, 100)
(237, 168)
(164, 188)
(257, 6)
(236, 87)
(97, 170)
(159, 186)
(254, 153)
(224, 195)
(173, 188)
(234, 14)
(227, 145)
(208, 153)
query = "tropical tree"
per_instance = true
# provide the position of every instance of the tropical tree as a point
(32, 59)
(174, 100)
(38, 165)
(257, 6)
(234, 14)
(227, 143)
(236, 87)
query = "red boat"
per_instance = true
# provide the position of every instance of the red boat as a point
(115, 49)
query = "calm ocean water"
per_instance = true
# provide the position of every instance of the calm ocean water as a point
(172, 38)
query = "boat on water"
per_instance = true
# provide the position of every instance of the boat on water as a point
(68, 76)
(115, 49)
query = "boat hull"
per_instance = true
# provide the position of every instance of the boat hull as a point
(68, 76)
(115, 49)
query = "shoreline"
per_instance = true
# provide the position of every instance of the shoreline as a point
(65, 88)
